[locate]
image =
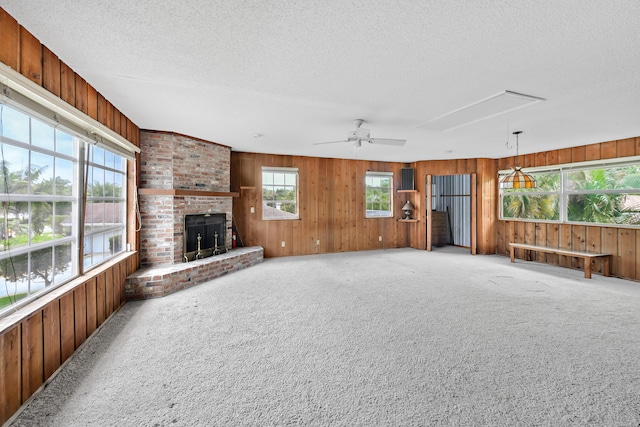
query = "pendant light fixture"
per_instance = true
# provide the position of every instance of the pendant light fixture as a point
(517, 178)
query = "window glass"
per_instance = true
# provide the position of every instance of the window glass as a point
(15, 124)
(41, 221)
(41, 198)
(96, 183)
(64, 143)
(15, 173)
(41, 134)
(64, 177)
(41, 176)
(531, 206)
(604, 208)
(378, 197)
(279, 193)
(98, 155)
(109, 159)
(62, 262)
(109, 183)
(611, 178)
(63, 225)
(14, 283)
(595, 195)
(41, 269)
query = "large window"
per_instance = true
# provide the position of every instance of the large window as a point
(589, 194)
(279, 193)
(378, 195)
(42, 195)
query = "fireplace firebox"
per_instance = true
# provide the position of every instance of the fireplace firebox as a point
(204, 235)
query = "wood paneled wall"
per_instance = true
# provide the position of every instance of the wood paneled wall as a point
(36, 340)
(20, 50)
(623, 243)
(32, 348)
(332, 209)
(486, 175)
(331, 206)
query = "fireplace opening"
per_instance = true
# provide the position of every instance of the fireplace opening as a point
(204, 235)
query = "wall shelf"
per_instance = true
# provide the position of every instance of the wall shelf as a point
(409, 195)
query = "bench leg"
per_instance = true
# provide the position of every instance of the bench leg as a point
(512, 253)
(606, 266)
(587, 268)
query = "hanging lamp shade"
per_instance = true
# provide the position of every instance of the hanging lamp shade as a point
(516, 178)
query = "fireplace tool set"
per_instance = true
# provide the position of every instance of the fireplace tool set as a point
(202, 254)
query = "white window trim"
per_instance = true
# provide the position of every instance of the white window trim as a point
(381, 174)
(78, 268)
(18, 91)
(281, 169)
(565, 193)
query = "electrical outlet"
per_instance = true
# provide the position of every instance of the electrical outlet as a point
(317, 242)
(283, 243)
(379, 238)
(253, 210)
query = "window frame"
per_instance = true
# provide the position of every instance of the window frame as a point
(65, 163)
(565, 192)
(286, 216)
(378, 174)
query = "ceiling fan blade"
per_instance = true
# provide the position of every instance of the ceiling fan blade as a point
(330, 142)
(387, 141)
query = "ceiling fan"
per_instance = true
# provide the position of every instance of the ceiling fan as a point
(361, 135)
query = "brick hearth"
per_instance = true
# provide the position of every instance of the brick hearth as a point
(158, 281)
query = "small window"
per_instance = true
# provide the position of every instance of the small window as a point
(378, 195)
(279, 193)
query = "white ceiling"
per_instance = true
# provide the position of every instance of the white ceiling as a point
(299, 72)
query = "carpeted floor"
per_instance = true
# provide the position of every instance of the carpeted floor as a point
(379, 338)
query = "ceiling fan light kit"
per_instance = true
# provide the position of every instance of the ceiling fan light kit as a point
(516, 178)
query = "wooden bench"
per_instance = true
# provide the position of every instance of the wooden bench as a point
(587, 256)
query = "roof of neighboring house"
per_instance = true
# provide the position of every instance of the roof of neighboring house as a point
(273, 213)
(109, 213)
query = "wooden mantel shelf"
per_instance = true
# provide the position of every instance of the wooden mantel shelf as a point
(172, 192)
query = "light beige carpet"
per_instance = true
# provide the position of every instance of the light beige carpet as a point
(377, 338)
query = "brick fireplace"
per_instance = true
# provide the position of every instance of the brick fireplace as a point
(181, 176)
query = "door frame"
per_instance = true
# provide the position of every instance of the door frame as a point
(473, 217)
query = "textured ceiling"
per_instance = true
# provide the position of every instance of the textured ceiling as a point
(299, 72)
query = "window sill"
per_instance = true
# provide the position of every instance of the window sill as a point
(21, 313)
